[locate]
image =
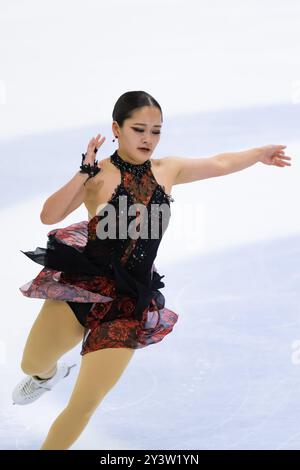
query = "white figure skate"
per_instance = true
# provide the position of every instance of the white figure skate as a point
(31, 388)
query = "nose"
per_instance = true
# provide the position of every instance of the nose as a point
(146, 139)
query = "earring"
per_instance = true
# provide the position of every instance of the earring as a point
(114, 138)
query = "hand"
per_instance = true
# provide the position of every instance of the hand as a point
(94, 143)
(274, 155)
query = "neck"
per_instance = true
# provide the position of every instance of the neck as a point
(134, 162)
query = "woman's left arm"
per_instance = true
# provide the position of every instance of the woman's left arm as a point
(268, 154)
(193, 169)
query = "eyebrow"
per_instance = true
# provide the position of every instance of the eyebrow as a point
(142, 124)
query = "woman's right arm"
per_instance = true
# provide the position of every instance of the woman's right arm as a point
(65, 200)
(71, 195)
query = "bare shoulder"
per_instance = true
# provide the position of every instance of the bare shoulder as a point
(162, 160)
(103, 162)
(169, 166)
(170, 163)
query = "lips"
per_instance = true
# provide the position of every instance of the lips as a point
(144, 148)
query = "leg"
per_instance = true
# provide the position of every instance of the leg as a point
(55, 331)
(99, 372)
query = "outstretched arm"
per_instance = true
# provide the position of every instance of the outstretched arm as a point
(193, 169)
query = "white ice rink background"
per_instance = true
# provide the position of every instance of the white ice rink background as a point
(227, 77)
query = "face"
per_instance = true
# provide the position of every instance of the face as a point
(141, 130)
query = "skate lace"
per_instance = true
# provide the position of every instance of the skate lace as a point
(31, 386)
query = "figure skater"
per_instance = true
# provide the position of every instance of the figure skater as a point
(101, 287)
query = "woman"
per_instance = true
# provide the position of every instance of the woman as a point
(99, 280)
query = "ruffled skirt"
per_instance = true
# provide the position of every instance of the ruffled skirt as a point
(110, 322)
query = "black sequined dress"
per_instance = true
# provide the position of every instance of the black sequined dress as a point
(104, 268)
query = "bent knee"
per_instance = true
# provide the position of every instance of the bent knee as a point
(34, 367)
(28, 368)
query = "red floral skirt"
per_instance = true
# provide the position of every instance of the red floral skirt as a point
(110, 322)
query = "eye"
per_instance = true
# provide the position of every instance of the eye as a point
(142, 130)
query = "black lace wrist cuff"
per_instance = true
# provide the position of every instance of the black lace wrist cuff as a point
(91, 170)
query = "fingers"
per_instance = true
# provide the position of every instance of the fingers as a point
(98, 141)
(95, 143)
(285, 157)
(279, 161)
(280, 147)
(282, 155)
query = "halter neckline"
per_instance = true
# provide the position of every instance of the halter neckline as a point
(135, 168)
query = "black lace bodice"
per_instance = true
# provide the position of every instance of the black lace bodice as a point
(129, 260)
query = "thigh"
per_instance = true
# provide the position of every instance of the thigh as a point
(99, 371)
(55, 331)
